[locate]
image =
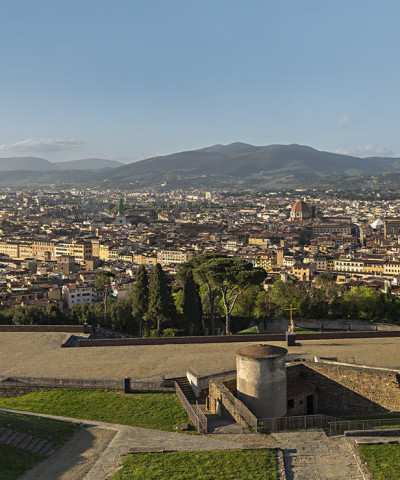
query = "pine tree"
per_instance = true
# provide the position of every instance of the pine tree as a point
(161, 303)
(191, 302)
(140, 297)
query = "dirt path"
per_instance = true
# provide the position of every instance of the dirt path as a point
(75, 459)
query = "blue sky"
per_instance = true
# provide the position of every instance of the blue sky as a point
(129, 79)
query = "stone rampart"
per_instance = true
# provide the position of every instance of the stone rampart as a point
(345, 390)
(222, 401)
(42, 328)
(117, 342)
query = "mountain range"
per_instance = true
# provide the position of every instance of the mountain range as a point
(36, 164)
(238, 165)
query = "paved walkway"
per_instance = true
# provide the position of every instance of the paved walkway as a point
(90, 456)
(311, 455)
(93, 453)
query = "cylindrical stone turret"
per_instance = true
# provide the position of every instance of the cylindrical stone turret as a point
(261, 379)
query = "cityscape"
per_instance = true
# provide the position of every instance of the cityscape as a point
(53, 239)
(199, 240)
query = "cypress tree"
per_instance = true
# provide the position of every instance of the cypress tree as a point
(161, 304)
(191, 302)
(140, 297)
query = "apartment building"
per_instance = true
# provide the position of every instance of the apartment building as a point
(79, 293)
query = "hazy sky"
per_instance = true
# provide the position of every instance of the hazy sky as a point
(136, 78)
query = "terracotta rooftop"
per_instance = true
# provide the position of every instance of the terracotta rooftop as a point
(300, 206)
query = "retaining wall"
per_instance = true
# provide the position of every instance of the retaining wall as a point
(221, 396)
(42, 328)
(281, 325)
(349, 390)
(117, 342)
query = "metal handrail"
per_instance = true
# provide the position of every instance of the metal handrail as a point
(340, 426)
(196, 416)
(298, 422)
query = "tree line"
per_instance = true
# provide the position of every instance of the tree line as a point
(153, 307)
(212, 290)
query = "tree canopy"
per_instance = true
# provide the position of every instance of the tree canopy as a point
(232, 277)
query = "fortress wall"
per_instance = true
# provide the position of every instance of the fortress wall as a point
(42, 328)
(349, 390)
(115, 342)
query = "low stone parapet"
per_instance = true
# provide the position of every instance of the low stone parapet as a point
(42, 328)
(385, 432)
(117, 342)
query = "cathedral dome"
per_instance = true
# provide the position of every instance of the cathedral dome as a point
(300, 206)
(300, 211)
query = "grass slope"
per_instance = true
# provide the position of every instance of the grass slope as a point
(219, 465)
(161, 411)
(383, 461)
(54, 431)
(14, 461)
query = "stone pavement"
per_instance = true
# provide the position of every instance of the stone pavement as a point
(93, 454)
(311, 455)
(72, 461)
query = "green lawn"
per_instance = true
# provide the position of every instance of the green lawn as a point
(303, 330)
(249, 331)
(14, 461)
(161, 411)
(218, 465)
(53, 431)
(383, 461)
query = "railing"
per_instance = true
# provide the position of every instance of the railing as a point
(233, 405)
(138, 385)
(246, 414)
(194, 411)
(107, 384)
(303, 422)
(54, 382)
(341, 426)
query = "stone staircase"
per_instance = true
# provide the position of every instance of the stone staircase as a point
(72, 341)
(186, 388)
(26, 442)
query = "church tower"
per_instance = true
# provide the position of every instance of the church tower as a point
(121, 219)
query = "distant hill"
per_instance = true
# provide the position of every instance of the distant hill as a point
(246, 165)
(87, 164)
(237, 165)
(35, 164)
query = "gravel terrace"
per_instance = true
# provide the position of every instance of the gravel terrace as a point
(41, 355)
